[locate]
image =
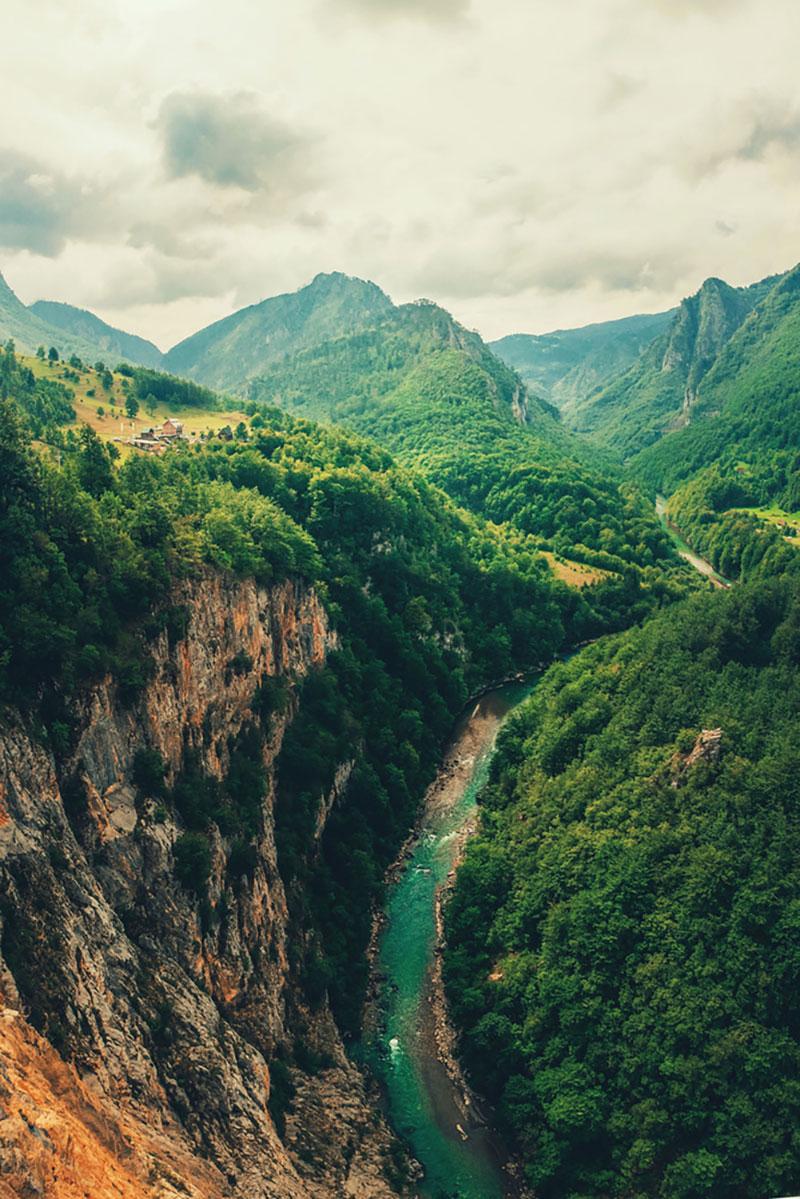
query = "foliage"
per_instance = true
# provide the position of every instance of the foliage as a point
(622, 941)
(88, 549)
(170, 391)
(711, 510)
(193, 862)
(44, 402)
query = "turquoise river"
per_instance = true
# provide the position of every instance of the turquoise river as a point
(446, 1131)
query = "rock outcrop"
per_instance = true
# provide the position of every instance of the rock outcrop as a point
(140, 1023)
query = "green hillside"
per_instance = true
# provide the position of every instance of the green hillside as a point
(658, 393)
(569, 365)
(230, 352)
(436, 396)
(622, 941)
(747, 406)
(111, 343)
(72, 332)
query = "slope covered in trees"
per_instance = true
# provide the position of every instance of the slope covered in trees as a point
(569, 365)
(231, 351)
(746, 408)
(622, 941)
(658, 393)
(438, 398)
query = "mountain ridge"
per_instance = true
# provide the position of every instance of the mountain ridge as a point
(83, 323)
(655, 395)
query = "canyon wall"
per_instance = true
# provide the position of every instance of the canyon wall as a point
(143, 1025)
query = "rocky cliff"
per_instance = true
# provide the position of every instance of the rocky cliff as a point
(145, 1022)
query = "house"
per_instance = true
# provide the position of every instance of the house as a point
(146, 441)
(172, 428)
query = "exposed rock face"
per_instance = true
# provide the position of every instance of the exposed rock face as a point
(707, 748)
(166, 1011)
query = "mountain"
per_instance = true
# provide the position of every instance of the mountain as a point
(747, 403)
(232, 351)
(30, 328)
(569, 364)
(437, 397)
(732, 472)
(657, 393)
(112, 342)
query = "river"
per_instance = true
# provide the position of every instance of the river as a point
(700, 564)
(460, 1154)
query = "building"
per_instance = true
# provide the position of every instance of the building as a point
(172, 428)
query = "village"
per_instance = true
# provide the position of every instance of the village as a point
(158, 438)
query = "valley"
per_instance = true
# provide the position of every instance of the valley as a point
(234, 674)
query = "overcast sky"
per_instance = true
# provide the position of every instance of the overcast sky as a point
(530, 164)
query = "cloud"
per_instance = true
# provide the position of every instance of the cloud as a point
(688, 8)
(41, 208)
(428, 10)
(229, 141)
(753, 130)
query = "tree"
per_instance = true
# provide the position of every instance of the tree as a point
(53, 355)
(40, 352)
(131, 406)
(94, 466)
(193, 862)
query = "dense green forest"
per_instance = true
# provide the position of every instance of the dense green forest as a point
(44, 402)
(716, 513)
(622, 941)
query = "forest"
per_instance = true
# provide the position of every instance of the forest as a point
(622, 941)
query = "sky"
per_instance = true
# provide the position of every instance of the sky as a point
(529, 164)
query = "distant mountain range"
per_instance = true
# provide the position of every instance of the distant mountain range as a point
(569, 364)
(340, 349)
(27, 329)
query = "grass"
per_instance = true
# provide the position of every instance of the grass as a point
(90, 394)
(773, 515)
(575, 574)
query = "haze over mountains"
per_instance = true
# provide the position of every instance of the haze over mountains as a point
(77, 322)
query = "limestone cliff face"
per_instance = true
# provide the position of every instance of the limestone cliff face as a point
(138, 1022)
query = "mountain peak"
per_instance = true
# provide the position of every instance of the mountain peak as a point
(240, 346)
